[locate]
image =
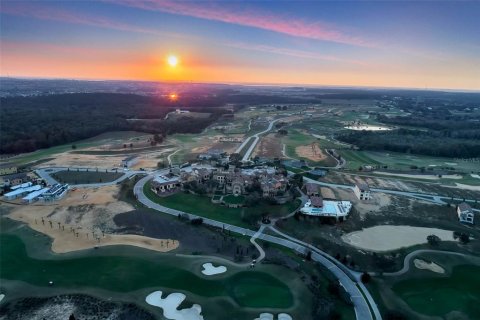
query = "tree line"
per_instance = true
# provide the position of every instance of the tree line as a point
(31, 123)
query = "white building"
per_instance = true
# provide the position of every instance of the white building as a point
(55, 192)
(20, 192)
(326, 208)
(165, 183)
(362, 191)
(465, 213)
(34, 196)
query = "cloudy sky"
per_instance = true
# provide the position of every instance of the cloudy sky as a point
(433, 44)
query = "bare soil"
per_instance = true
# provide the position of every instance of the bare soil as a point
(84, 219)
(270, 146)
(311, 152)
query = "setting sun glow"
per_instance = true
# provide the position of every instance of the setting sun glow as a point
(172, 61)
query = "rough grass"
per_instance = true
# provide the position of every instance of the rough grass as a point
(438, 296)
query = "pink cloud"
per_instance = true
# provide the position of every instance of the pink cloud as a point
(55, 14)
(282, 24)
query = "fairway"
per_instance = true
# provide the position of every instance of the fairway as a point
(437, 296)
(125, 274)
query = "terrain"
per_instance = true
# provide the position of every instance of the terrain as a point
(105, 245)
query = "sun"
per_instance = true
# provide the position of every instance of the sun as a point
(172, 60)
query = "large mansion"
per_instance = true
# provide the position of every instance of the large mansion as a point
(234, 181)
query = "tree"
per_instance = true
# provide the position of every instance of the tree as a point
(464, 238)
(72, 317)
(333, 288)
(433, 240)
(235, 158)
(365, 277)
(308, 257)
(74, 147)
(297, 180)
(196, 221)
(157, 138)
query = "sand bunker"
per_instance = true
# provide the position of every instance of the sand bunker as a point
(475, 176)
(432, 266)
(1, 297)
(210, 270)
(388, 238)
(422, 176)
(269, 316)
(170, 305)
(367, 128)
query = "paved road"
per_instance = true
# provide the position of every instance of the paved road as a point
(358, 292)
(256, 138)
(169, 157)
(409, 257)
(344, 276)
(259, 248)
(438, 199)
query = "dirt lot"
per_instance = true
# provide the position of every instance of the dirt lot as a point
(68, 159)
(327, 193)
(270, 146)
(364, 207)
(205, 143)
(84, 219)
(311, 152)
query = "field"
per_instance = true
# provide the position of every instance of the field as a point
(85, 177)
(202, 206)
(421, 292)
(298, 145)
(106, 138)
(129, 274)
(269, 146)
(438, 296)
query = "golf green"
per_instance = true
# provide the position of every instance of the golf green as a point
(118, 273)
(438, 296)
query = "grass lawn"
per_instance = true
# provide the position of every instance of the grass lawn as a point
(119, 273)
(355, 159)
(234, 199)
(437, 296)
(202, 206)
(83, 177)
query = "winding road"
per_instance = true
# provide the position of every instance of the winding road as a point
(364, 305)
(256, 138)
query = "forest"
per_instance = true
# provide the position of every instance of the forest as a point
(31, 123)
(435, 132)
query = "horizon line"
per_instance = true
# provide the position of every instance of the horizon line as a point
(251, 84)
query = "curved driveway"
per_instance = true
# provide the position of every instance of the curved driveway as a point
(347, 279)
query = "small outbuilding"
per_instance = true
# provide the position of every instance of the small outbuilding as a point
(465, 213)
(362, 191)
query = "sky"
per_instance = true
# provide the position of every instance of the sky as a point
(410, 44)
